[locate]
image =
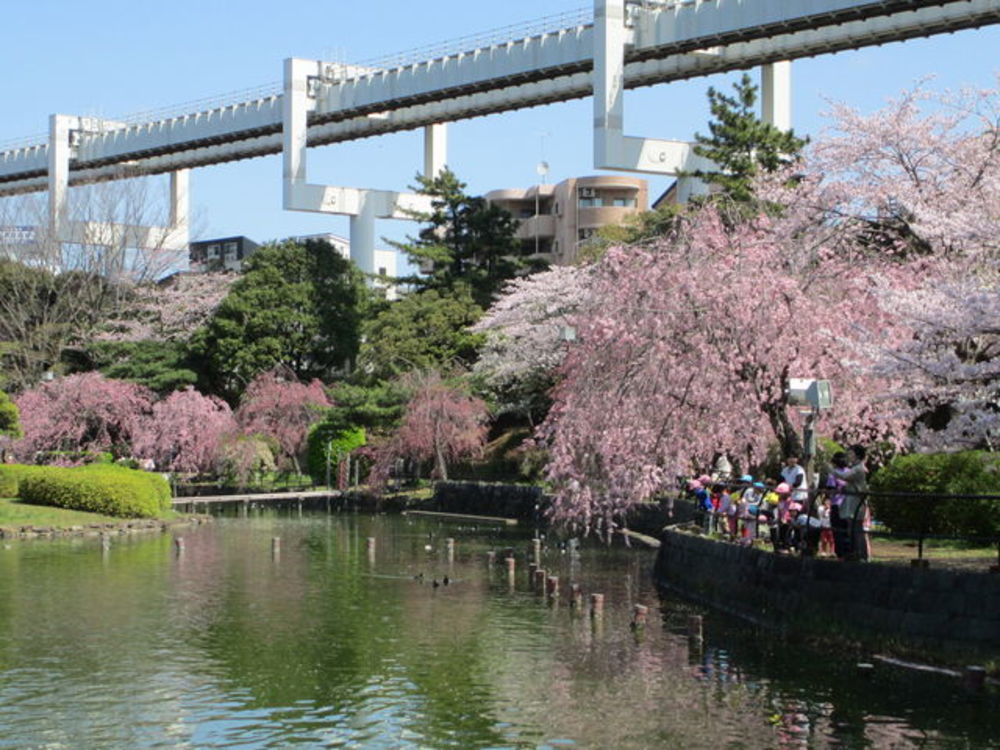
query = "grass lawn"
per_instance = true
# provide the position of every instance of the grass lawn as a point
(948, 552)
(15, 513)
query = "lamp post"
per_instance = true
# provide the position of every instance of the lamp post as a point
(817, 395)
(542, 168)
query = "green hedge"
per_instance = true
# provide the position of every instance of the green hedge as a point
(98, 488)
(11, 476)
(965, 473)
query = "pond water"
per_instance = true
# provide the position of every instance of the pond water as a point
(225, 644)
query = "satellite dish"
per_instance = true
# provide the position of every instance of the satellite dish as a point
(542, 168)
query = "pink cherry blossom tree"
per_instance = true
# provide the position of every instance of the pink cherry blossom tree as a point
(86, 412)
(684, 350)
(921, 175)
(947, 374)
(919, 181)
(277, 405)
(169, 310)
(442, 423)
(527, 330)
(185, 432)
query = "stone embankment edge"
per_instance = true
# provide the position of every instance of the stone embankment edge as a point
(131, 526)
(937, 615)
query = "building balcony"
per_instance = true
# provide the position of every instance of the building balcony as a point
(543, 225)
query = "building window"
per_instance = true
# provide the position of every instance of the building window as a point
(381, 271)
(232, 249)
(624, 202)
(588, 202)
(213, 251)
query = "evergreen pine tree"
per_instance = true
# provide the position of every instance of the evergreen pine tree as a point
(466, 239)
(740, 144)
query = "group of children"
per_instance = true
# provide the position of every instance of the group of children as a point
(786, 512)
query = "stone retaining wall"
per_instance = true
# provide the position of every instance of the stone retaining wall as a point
(520, 501)
(527, 502)
(939, 609)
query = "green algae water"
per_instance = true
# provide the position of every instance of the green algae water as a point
(320, 642)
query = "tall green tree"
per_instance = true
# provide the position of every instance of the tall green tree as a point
(466, 240)
(299, 305)
(740, 144)
(161, 366)
(422, 331)
(41, 313)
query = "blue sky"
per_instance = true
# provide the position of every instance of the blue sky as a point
(123, 56)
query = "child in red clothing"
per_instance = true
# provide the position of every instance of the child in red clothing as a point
(825, 528)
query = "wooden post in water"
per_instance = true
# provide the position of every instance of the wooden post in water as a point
(511, 566)
(276, 547)
(695, 628)
(552, 586)
(532, 567)
(596, 605)
(536, 550)
(575, 596)
(179, 545)
(538, 582)
(450, 545)
(370, 546)
(491, 558)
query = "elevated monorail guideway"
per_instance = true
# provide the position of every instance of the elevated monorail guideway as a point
(627, 44)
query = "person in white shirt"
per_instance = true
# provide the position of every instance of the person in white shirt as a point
(795, 477)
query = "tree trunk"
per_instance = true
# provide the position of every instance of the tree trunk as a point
(785, 432)
(442, 467)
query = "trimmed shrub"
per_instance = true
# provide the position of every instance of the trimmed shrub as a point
(965, 473)
(73, 458)
(98, 488)
(11, 476)
(8, 482)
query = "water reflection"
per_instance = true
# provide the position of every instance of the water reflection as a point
(335, 643)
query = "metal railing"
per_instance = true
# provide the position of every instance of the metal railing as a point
(937, 513)
(503, 35)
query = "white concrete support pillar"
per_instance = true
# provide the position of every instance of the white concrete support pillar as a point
(295, 106)
(609, 77)
(60, 151)
(776, 94)
(363, 234)
(612, 148)
(363, 206)
(180, 207)
(435, 149)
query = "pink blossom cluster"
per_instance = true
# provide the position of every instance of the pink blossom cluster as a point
(185, 432)
(275, 404)
(876, 270)
(684, 350)
(171, 310)
(528, 326)
(442, 423)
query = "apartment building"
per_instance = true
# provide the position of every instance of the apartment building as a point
(222, 254)
(556, 220)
